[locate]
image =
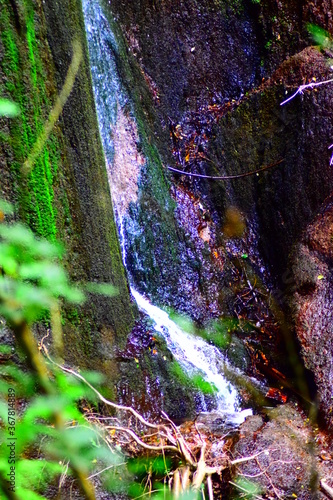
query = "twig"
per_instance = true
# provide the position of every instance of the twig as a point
(63, 476)
(210, 488)
(303, 87)
(226, 177)
(176, 484)
(137, 415)
(253, 476)
(148, 493)
(326, 489)
(181, 442)
(247, 459)
(201, 471)
(106, 468)
(269, 480)
(185, 477)
(142, 443)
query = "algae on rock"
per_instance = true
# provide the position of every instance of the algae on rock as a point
(66, 196)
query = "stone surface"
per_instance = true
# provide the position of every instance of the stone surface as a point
(67, 196)
(286, 464)
(313, 299)
(175, 44)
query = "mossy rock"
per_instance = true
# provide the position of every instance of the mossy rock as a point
(66, 196)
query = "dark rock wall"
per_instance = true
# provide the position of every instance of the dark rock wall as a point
(247, 56)
(66, 196)
(312, 302)
(196, 54)
(261, 132)
(192, 50)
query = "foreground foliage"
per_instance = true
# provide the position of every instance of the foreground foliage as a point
(51, 435)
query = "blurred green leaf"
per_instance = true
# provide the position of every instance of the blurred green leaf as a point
(5, 207)
(165, 494)
(8, 262)
(320, 36)
(25, 494)
(8, 108)
(76, 446)
(31, 283)
(248, 487)
(5, 349)
(23, 237)
(94, 378)
(17, 233)
(37, 473)
(25, 382)
(3, 411)
(102, 288)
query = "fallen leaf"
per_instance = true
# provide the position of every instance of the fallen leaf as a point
(277, 395)
(324, 455)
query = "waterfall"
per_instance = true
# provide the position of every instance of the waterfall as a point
(194, 354)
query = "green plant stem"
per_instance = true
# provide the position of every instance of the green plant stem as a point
(57, 108)
(11, 495)
(36, 362)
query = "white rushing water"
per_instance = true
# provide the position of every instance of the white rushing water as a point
(196, 356)
(193, 354)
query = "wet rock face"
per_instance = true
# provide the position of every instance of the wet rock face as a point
(194, 56)
(260, 132)
(192, 50)
(197, 54)
(66, 197)
(147, 380)
(313, 299)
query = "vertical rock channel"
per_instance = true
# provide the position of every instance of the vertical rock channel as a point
(127, 164)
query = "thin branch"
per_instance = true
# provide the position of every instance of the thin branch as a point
(226, 177)
(106, 401)
(181, 442)
(142, 443)
(326, 489)
(210, 488)
(252, 476)
(247, 459)
(148, 493)
(202, 470)
(106, 468)
(303, 87)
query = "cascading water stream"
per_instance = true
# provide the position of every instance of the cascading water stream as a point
(193, 353)
(196, 356)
